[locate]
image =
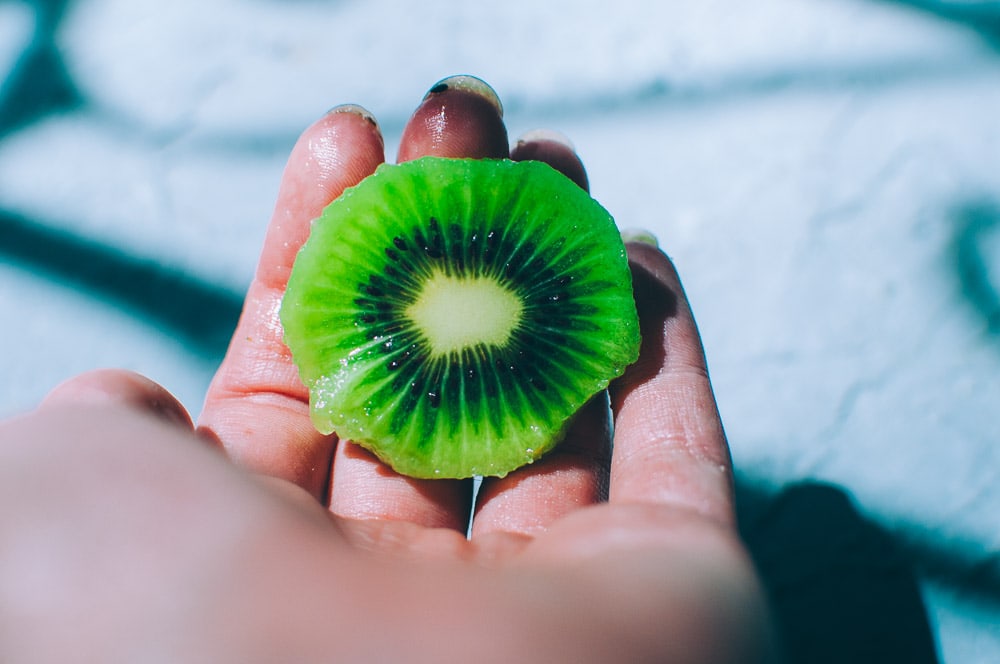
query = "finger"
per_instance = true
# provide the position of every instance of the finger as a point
(555, 150)
(669, 444)
(575, 473)
(118, 386)
(459, 117)
(256, 405)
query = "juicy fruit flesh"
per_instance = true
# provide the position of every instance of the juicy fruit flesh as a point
(452, 315)
(456, 313)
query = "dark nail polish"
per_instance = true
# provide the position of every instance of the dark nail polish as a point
(469, 84)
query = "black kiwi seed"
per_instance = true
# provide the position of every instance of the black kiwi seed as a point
(455, 237)
(433, 244)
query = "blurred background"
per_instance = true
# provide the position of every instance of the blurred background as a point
(825, 173)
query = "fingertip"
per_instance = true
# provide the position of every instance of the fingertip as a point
(659, 298)
(337, 151)
(119, 387)
(355, 109)
(670, 446)
(347, 145)
(665, 323)
(460, 116)
(556, 150)
(470, 84)
(646, 257)
(334, 153)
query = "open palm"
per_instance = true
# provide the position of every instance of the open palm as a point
(620, 545)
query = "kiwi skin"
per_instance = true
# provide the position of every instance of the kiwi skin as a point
(358, 313)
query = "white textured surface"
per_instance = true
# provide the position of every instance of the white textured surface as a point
(819, 169)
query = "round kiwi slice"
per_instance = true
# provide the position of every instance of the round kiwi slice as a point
(451, 315)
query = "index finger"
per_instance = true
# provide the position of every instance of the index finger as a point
(256, 406)
(669, 444)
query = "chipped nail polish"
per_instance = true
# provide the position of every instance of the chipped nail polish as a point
(546, 135)
(469, 84)
(639, 235)
(356, 110)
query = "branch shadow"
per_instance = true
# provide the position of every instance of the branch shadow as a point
(841, 589)
(199, 313)
(976, 223)
(983, 18)
(38, 84)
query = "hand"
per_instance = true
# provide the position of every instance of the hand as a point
(128, 533)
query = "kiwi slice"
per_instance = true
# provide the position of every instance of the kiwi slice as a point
(451, 315)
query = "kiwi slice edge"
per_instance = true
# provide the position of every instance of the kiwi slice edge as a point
(391, 365)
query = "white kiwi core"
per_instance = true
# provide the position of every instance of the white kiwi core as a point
(455, 313)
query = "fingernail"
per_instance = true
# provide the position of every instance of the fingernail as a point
(546, 135)
(356, 110)
(639, 235)
(469, 84)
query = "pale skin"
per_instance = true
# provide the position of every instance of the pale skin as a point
(129, 532)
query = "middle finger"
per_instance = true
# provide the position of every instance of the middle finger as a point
(575, 473)
(459, 117)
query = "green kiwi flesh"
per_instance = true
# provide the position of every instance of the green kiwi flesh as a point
(451, 315)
